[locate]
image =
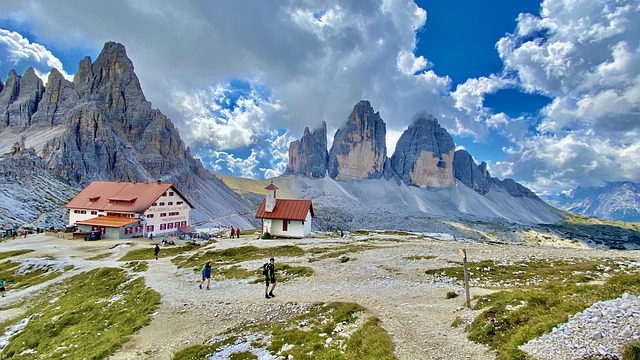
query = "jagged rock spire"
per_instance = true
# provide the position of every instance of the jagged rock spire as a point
(359, 149)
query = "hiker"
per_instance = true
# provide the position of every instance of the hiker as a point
(270, 277)
(238, 233)
(150, 236)
(206, 274)
(156, 251)
(341, 234)
(232, 232)
(2, 285)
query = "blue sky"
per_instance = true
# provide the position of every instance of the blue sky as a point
(547, 93)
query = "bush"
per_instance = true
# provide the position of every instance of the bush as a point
(266, 236)
(451, 295)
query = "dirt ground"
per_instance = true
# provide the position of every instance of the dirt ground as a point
(386, 279)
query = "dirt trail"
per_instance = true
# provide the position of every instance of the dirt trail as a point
(383, 279)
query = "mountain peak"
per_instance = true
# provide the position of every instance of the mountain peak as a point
(424, 154)
(359, 149)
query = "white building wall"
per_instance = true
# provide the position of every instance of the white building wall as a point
(307, 224)
(166, 205)
(295, 229)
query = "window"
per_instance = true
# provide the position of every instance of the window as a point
(165, 194)
(175, 213)
(161, 204)
(163, 214)
(183, 224)
(128, 230)
(138, 229)
(94, 213)
(170, 226)
(285, 225)
(163, 226)
(170, 203)
(177, 224)
(83, 211)
(150, 216)
(155, 204)
(170, 193)
(179, 203)
(149, 228)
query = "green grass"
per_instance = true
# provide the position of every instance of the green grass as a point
(512, 318)
(99, 257)
(631, 351)
(167, 251)
(336, 252)
(420, 257)
(303, 332)
(451, 295)
(8, 254)
(88, 316)
(611, 233)
(489, 273)
(236, 255)
(284, 272)
(9, 270)
(137, 266)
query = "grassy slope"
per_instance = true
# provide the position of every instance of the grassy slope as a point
(88, 316)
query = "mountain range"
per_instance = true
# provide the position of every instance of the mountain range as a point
(57, 138)
(613, 201)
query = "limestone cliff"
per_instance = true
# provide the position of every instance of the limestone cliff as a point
(467, 172)
(308, 156)
(359, 150)
(424, 154)
(19, 99)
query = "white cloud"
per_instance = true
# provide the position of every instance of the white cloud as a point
(210, 116)
(20, 50)
(318, 58)
(586, 56)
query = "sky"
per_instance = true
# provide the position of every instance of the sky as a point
(547, 93)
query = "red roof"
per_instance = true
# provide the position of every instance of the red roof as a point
(120, 196)
(108, 221)
(271, 187)
(286, 209)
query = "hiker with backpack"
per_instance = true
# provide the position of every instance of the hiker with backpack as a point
(206, 274)
(269, 272)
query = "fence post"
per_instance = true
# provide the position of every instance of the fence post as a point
(463, 252)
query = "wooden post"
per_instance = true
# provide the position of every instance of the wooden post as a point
(466, 277)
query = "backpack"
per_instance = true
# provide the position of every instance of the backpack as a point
(265, 269)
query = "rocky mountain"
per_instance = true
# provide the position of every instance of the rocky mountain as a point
(612, 201)
(424, 178)
(101, 127)
(467, 172)
(359, 149)
(308, 156)
(424, 154)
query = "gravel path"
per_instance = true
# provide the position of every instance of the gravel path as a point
(412, 308)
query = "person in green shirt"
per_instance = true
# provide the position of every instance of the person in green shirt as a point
(3, 283)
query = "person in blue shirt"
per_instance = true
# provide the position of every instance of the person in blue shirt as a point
(206, 274)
